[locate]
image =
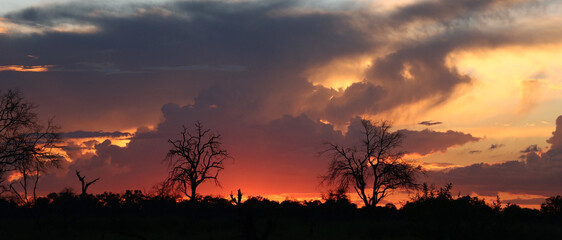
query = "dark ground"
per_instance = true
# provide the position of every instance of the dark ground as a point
(136, 216)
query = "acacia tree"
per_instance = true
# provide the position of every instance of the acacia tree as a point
(196, 157)
(375, 164)
(26, 147)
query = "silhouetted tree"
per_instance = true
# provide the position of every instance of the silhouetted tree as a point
(428, 192)
(552, 205)
(85, 184)
(376, 163)
(196, 157)
(339, 195)
(26, 147)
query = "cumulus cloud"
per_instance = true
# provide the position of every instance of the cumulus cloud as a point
(357, 99)
(428, 141)
(258, 52)
(537, 173)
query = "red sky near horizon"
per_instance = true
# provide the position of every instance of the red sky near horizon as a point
(475, 87)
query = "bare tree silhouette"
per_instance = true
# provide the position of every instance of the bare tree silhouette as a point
(196, 157)
(376, 163)
(26, 147)
(85, 184)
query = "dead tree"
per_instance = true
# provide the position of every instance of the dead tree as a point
(196, 157)
(375, 164)
(27, 148)
(85, 184)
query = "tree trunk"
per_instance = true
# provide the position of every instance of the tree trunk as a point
(193, 193)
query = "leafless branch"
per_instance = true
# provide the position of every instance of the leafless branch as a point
(197, 156)
(376, 164)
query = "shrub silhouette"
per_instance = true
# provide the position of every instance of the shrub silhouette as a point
(432, 214)
(552, 206)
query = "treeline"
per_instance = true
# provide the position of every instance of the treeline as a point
(432, 214)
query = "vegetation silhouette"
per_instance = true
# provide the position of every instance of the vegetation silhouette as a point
(85, 184)
(196, 157)
(431, 214)
(26, 147)
(376, 163)
(552, 206)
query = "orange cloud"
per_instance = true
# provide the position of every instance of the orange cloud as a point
(22, 68)
(3, 29)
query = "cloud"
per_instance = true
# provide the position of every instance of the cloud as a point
(359, 98)
(96, 134)
(438, 165)
(429, 123)
(428, 141)
(21, 68)
(531, 95)
(537, 173)
(257, 52)
(242, 48)
(164, 64)
(278, 156)
(531, 148)
(199, 67)
(495, 146)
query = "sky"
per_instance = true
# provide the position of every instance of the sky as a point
(474, 85)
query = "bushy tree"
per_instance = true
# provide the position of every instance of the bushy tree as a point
(552, 205)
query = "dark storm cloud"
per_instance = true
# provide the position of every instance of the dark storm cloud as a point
(240, 47)
(226, 68)
(537, 173)
(444, 10)
(213, 33)
(359, 98)
(257, 49)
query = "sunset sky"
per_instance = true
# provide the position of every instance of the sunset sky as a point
(474, 85)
